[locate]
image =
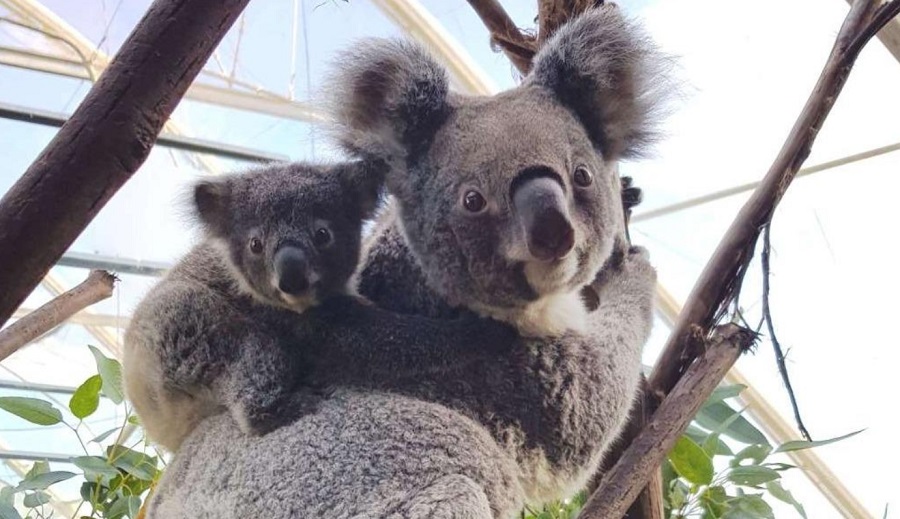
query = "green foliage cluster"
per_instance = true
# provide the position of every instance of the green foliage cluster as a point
(115, 477)
(742, 486)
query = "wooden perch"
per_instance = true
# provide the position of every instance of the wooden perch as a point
(642, 458)
(105, 141)
(97, 287)
(720, 281)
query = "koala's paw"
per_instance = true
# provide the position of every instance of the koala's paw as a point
(259, 420)
(629, 274)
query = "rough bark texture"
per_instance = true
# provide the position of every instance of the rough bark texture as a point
(97, 287)
(106, 140)
(642, 458)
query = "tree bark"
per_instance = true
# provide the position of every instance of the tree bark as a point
(106, 140)
(97, 287)
(622, 484)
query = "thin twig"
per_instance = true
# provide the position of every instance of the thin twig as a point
(720, 280)
(767, 317)
(97, 287)
(642, 458)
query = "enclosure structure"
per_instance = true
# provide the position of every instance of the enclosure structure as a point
(745, 81)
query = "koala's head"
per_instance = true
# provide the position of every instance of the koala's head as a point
(290, 233)
(515, 197)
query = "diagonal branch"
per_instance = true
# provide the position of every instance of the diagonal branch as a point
(622, 484)
(518, 47)
(97, 287)
(106, 140)
(719, 283)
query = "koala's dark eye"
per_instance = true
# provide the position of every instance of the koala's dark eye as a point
(256, 246)
(582, 177)
(473, 201)
(322, 237)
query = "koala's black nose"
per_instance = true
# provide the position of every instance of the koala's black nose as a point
(542, 209)
(291, 270)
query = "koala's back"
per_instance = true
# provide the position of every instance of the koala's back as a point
(166, 374)
(361, 455)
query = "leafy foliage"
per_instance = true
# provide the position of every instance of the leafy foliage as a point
(115, 478)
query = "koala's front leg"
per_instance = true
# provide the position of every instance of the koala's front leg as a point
(625, 289)
(259, 387)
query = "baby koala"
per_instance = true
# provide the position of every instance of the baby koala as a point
(216, 332)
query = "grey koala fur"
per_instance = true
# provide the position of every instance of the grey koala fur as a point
(217, 330)
(500, 422)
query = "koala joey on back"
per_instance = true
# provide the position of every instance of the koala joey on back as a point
(216, 331)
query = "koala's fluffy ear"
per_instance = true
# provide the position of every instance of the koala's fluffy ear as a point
(364, 180)
(389, 97)
(211, 201)
(608, 72)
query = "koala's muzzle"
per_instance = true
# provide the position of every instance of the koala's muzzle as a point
(542, 210)
(292, 270)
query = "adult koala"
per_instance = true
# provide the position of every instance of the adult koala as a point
(504, 205)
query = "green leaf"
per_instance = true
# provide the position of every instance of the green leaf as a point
(724, 392)
(691, 462)
(124, 505)
(134, 420)
(710, 442)
(39, 467)
(713, 415)
(802, 444)
(7, 495)
(779, 492)
(105, 435)
(8, 512)
(749, 507)
(42, 481)
(36, 499)
(136, 463)
(752, 475)
(86, 398)
(95, 468)
(714, 501)
(111, 372)
(757, 453)
(34, 410)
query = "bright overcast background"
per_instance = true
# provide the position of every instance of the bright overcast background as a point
(747, 68)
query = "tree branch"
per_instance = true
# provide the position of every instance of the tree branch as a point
(518, 47)
(622, 484)
(106, 140)
(97, 287)
(719, 283)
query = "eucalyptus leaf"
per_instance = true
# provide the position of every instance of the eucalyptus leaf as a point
(34, 410)
(105, 435)
(752, 475)
(39, 467)
(95, 468)
(779, 492)
(111, 372)
(756, 453)
(802, 444)
(136, 463)
(86, 398)
(7, 495)
(749, 506)
(42, 481)
(711, 443)
(36, 499)
(8, 512)
(713, 415)
(691, 462)
(124, 505)
(725, 392)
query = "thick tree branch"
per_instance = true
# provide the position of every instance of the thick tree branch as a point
(554, 13)
(719, 283)
(106, 140)
(517, 46)
(642, 458)
(97, 287)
